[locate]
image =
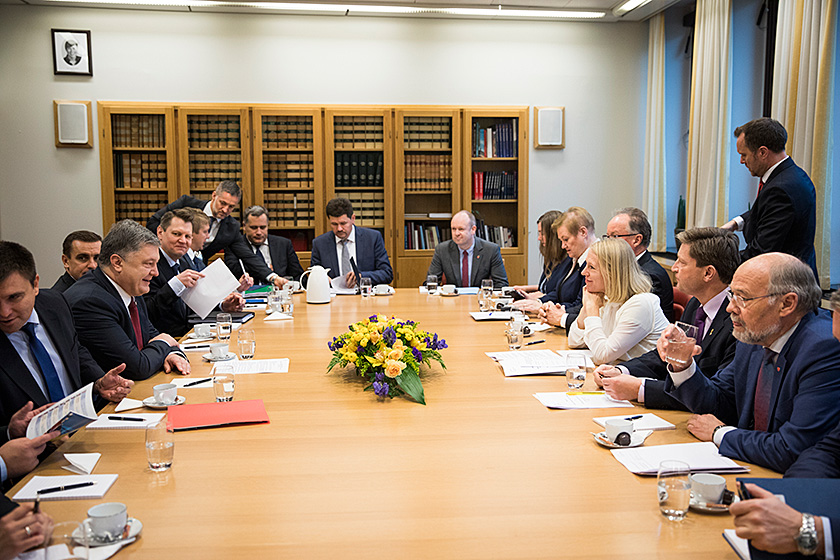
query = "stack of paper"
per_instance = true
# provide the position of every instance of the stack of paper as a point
(540, 362)
(701, 456)
(580, 399)
(95, 491)
(645, 421)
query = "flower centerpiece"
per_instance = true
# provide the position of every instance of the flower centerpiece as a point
(388, 353)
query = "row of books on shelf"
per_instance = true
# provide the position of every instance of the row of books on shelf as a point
(497, 140)
(495, 185)
(133, 170)
(138, 131)
(299, 169)
(213, 131)
(425, 235)
(358, 132)
(292, 132)
(427, 133)
(428, 172)
(138, 207)
(369, 207)
(358, 169)
(208, 170)
(500, 235)
(290, 209)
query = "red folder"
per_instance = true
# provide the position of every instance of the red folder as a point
(211, 415)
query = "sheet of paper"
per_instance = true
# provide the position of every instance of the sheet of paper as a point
(102, 482)
(701, 456)
(648, 421)
(128, 404)
(105, 423)
(491, 315)
(181, 382)
(539, 327)
(468, 291)
(338, 286)
(529, 362)
(578, 399)
(279, 365)
(217, 283)
(78, 405)
(277, 316)
(739, 545)
(81, 463)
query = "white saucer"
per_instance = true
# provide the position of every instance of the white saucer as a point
(637, 439)
(152, 403)
(134, 528)
(448, 295)
(209, 357)
(194, 336)
(697, 505)
(390, 292)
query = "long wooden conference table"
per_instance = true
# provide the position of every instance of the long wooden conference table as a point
(482, 471)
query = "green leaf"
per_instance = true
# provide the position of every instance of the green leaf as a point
(410, 383)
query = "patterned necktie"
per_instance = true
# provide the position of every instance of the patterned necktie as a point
(176, 268)
(763, 391)
(198, 262)
(465, 269)
(345, 257)
(700, 323)
(135, 323)
(56, 393)
(260, 256)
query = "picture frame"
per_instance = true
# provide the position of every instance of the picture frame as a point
(72, 53)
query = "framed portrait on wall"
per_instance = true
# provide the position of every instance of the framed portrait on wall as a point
(71, 52)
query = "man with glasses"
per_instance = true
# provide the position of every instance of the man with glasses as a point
(781, 393)
(632, 225)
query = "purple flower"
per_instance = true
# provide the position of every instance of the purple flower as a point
(380, 376)
(418, 355)
(373, 319)
(381, 388)
(389, 335)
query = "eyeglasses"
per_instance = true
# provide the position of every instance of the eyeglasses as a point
(742, 301)
(614, 235)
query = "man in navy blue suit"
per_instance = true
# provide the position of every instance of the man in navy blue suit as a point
(784, 215)
(781, 393)
(334, 249)
(274, 251)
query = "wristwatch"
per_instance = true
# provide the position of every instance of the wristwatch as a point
(807, 540)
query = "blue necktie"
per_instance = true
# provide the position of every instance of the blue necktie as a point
(176, 268)
(198, 262)
(56, 393)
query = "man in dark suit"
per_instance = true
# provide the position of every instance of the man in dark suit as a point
(706, 261)
(224, 229)
(111, 316)
(784, 215)
(576, 232)
(79, 253)
(781, 392)
(167, 311)
(334, 249)
(632, 225)
(466, 260)
(275, 251)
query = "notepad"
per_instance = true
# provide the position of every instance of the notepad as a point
(530, 362)
(213, 415)
(491, 315)
(701, 456)
(105, 423)
(578, 400)
(648, 421)
(103, 483)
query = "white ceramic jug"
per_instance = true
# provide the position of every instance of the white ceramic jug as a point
(318, 287)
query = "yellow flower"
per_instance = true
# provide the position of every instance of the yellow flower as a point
(351, 357)
(393, 368)
(419, 344)
(375, 337)
(364, 342)
(395, 354)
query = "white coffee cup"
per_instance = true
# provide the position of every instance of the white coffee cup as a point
(447, 288)
(166, 393)
(107, 521)
(381, 289)
(616, 427)
(203, 330)
(708, 487)
(219, 350)
(294, 285)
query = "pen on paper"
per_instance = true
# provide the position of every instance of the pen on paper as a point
(585, 393)
(634, 417)
(198, 382)
(127, 418)
(534, 342)
(65, 487)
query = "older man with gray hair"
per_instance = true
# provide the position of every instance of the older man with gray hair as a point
(781, 393)
(110, 315)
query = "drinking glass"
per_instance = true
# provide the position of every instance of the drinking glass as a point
(69, 540)
(674, 489)
(366, 287)
(485, 295)
(681, 341)
(224, 325)
(514, 339)
(247, 343)
(224, 385)
(575, 370)
(431, 283)
(274, 299)
(286, 305)
(160, 447)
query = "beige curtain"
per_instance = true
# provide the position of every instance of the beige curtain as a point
(803, 95)
(707, 191)
(654, 186)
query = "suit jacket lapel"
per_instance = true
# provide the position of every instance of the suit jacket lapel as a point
(455, 258)
(476, 260)
(15, 369)
(277, 260)
(716, 326)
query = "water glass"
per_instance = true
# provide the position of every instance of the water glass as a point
(247, 343)
(160, 447)
(674, 489)
(431, 283)
(682, 338)
(69, 540)
(514, 339)
(286, 304)
(575, 370)
(224, 385)
(224, 326)
(366, 287)
(274, 299)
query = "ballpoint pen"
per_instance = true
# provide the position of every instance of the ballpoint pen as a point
(65, 487)
(534, 342)
(198, 382)
(634, 417)
(127, 418)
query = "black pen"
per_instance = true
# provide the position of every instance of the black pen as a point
(37, 507)
(634, 417)
(743, 493)
(534, 342)
(198, 382)
(65, 487)
(127, 418)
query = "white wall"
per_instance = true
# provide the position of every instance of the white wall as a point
(597, 71)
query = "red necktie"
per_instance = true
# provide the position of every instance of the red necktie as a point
(760, 186)
(763, 392)
(465, 270)
(135, 322)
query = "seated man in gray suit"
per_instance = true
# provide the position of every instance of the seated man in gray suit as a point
(466, 260)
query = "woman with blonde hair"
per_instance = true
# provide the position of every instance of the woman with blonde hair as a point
(620, 318)
(556, 263)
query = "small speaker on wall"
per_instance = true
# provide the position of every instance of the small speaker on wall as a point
(73, 125)
(550, 127)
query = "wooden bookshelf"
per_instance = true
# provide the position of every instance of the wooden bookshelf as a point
(495, 179)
